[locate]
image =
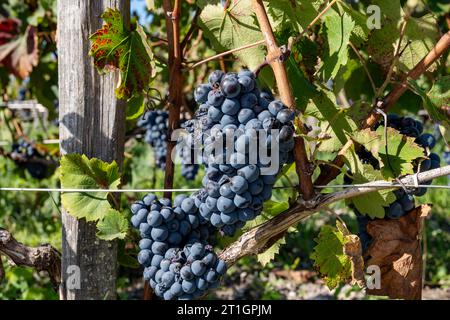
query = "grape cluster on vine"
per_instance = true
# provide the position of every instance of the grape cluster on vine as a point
(232, 107)
(174, 251)
(26, 156)
(156, 124)
(175, 247)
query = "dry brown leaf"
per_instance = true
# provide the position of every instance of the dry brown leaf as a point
(396, 250)
(353, 249)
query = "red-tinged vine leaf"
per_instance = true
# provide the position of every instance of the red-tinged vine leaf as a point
(396, 250)
(20, 55)
(9, 29)
(329, 258)
(116, 47)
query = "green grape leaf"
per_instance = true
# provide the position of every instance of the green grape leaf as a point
(113, 226)
(338, 30)
(373, 203)
(136, 107)
(401, 150)
(272, 208)
(436, 99)
(268, 255)
(353, 162)
(329, 258)
(232, 28)
(360, 31)
(77, 171)
(116, 47)
(420, 35)
(301, 87)
(294, 15)
(336, 126)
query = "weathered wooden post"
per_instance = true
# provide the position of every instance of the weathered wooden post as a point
(92, 122)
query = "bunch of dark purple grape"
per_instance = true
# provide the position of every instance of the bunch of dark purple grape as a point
(405, 198)
(174, 251)
(156, 124)
(244, 132)
(258, 134)
(26, 156)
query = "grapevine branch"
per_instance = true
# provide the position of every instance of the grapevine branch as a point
(303, 166)
(42, 258)
(330, 172)
(225, 53)
(175, 99)
(258, 239)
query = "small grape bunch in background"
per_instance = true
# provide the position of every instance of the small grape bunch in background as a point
(26, 156)
(405, 201)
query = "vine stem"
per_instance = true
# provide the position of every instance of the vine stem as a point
(275, 58)
(225, 53)
(44, 257)
(329, 173)
(260, 238)
(364, 65)
(175, 99)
